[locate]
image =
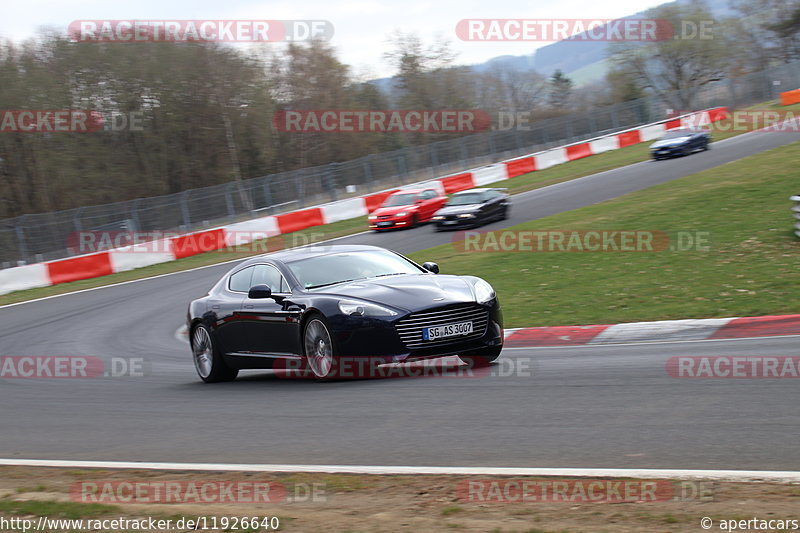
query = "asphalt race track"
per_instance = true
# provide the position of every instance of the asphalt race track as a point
(595, 406)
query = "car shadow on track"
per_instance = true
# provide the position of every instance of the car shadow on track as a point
(447, 367)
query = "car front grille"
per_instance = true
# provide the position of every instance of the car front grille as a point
(410, 327)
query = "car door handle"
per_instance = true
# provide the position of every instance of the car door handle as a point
(248, 306)
(214, 307)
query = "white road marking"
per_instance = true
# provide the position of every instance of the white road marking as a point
(643, 473)
(732, 339)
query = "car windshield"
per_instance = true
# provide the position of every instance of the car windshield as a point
(330, 269)
(677, 134)
(466, 199)
(400, 199)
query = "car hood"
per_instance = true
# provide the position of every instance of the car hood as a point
(664, 143)
(393, 210)
(410, 292)
(458, 209)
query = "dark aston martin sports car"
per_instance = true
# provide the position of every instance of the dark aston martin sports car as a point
(472, 208)
(308, 308)
(680, 141)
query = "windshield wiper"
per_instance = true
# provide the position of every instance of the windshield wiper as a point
(331, 283)
(390, 274)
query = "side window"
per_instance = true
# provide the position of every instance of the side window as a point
(429, 194)
(240, 281)
(270, 276)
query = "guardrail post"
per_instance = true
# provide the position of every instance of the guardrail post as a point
(267, 193)
(229, 204)
(187, 220)
(331, 173)
(402, 166)
(135, 214)
(23, 247)
(298, 187)
(796, 210)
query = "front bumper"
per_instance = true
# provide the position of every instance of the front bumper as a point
(388, 341)
(455, 222)
(389, 223)
(667, 151)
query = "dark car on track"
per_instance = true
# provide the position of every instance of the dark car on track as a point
(680, 141)
(472, 208)
(309, 308)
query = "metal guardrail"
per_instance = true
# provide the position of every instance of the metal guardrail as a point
(796, 211)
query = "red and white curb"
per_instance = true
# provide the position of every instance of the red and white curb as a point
(242, 233)
(660, 331)
(636, 473)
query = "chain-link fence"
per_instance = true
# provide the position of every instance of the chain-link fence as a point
(45, 236)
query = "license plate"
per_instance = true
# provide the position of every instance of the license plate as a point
(384, 224)
(450, 330)
(449, 222)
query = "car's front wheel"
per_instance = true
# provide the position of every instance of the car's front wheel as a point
(207, 359)
(318, 348)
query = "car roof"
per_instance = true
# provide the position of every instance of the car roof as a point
(686, 128)
(409, 191)
(293, 254)
(479, 189)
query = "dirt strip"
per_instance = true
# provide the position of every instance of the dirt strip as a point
(372, 503)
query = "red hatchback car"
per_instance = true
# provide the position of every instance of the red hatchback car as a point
(406, 209)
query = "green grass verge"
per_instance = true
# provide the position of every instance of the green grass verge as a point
(527, 182)
(750, 269)
(54, 509)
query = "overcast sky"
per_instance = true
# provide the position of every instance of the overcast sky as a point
(361, 26)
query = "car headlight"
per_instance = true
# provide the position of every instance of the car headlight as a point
(466, 215)
(401, 214)
(372, 217)
(352, 307)
(438, 217)
(483, 292)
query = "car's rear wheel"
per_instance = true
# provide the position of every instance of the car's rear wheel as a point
(414, 221)
(504, 216)
(208, 360)
(481, 358)
(318, 348)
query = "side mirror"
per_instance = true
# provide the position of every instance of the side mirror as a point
(259, 291)
(431, 267)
